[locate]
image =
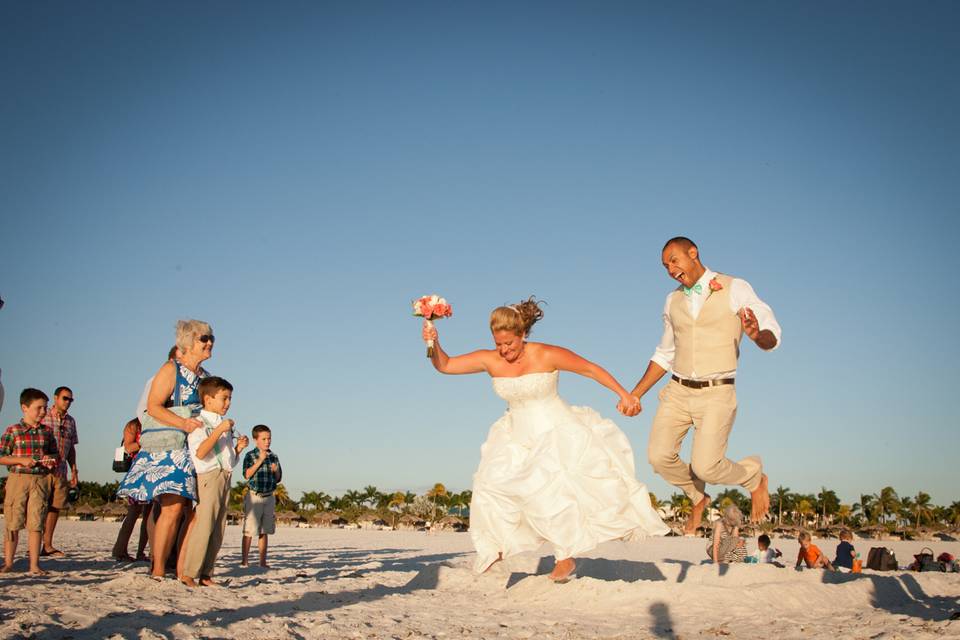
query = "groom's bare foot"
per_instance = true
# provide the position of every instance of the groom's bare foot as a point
(696, 516)
(760, 500)
(563, 570)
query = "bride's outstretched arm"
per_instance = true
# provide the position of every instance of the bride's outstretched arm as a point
(567, 360)
(467, 363)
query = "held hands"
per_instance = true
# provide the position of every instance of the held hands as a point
(225, 425)
(749, 323)
(273, 467)
(242, 443)
(629, 405)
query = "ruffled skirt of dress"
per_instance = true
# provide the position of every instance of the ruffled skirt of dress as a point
(563, 475)
(157, 473)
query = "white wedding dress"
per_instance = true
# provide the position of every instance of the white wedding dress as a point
(554, 473)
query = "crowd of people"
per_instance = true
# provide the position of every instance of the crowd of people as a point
(182, 452)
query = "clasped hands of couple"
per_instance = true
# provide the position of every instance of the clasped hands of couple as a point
(630, 406)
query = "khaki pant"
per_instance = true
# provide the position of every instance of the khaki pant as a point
(25, 501)
(711, 412)
(213, 489)
(59, 489)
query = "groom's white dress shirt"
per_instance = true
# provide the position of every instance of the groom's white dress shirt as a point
(741, 295)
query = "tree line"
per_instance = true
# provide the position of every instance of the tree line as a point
(884, 509)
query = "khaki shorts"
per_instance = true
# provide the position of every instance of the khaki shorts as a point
(25, 502)
(258, 514)
(59, 488)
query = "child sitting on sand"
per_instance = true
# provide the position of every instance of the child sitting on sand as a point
(846, 554)
(764, 554)
(811, 554)
(727, 545)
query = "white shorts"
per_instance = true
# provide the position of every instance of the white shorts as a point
(258, 514)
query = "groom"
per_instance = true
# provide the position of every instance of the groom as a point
(703, 322)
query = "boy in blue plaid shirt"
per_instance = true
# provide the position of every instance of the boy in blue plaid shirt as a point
(261, 469)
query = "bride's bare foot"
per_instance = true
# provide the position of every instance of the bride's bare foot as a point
(760, 500)
(563, 570)
(499, 558)
(696, 516)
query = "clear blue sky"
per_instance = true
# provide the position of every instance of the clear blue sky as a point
(296, 173)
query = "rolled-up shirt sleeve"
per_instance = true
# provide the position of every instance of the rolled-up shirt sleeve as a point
(664, 353)
(742, 295)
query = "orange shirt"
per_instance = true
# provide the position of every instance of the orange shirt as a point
(810, 554)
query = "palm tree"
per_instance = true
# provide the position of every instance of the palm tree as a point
(282, 497)
(395, 504)
(953, 513)
(353, 498)
(681, 505)
(887, 502)
(805, 508)
(653, 501)
(828, 501)
(782, 495)
(237, 492)
(371, 495)
(844, 512)
(438, 491)
(732, 496)
(865, 507)
(922, 507)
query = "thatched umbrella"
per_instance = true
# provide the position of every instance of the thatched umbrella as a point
(451, 522)
(86, 512)
(234, 516)
(287, 518)
(410, 522)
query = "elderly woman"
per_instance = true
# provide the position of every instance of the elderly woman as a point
(727, 545)
(163, 471)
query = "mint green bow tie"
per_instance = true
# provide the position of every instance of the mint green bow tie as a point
(695, 288)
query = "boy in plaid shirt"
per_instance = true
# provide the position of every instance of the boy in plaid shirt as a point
(261, 469)
(30, 452)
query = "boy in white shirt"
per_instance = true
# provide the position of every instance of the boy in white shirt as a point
(764, 554)
(214, 456)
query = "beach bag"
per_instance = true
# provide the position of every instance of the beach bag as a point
(122, 460)
(924, 561)
(881, 559)
(156, 436)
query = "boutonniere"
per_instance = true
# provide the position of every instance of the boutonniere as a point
(715, 285)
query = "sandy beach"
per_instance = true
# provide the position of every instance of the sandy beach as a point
(336, 583)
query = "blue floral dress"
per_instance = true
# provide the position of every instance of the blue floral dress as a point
(163, 465)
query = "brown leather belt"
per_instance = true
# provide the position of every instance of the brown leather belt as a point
(700, 384)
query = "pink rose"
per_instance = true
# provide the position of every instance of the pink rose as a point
(715, 285)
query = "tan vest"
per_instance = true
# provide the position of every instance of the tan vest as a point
(711, 343)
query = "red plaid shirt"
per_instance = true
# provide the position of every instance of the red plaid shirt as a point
(65, 433)
(20, 440)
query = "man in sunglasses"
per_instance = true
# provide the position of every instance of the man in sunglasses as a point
(64, 429)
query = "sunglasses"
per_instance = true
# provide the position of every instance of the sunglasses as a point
(207, 338)
(66, 399)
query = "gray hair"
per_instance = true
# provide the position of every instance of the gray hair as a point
(732, 516)
(188, 331)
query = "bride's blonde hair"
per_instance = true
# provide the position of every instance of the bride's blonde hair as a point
(517, 318)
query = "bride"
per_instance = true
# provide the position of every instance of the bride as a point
(549, 472)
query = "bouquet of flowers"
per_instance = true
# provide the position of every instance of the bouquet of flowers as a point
(431, 308)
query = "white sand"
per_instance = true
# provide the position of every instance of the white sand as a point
(370, 584)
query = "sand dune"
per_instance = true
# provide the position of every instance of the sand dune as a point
(373, 584)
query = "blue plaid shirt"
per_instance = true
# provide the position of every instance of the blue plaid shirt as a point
(263, 481)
